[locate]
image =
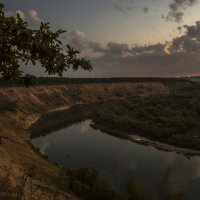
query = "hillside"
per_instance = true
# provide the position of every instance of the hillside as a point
(34, 101)
(20, 107)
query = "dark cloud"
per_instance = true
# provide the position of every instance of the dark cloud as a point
(194, 31)
(189, 42)
(148, 65)
(145, 9)
(177, 9)
(179, 28)
(148, 49)
(123, 5)
(113, 49)
(180, 56)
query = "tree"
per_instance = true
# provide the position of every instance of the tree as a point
(21, 44)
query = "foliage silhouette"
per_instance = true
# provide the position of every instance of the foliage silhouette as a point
(21, 44)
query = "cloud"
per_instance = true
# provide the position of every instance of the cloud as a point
(34, 16)
(162, 64)
(178, 8)
(21, 14)
(123, 6)
(77, 40)
(113, 49)
(178, 56)
(14, 14)
(145, 9)
(149, 49)
(179, 28)
(189, 42)
(78, 34)
(194, 31)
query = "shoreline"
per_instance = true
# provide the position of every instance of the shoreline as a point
(60, 117)
(148, 142)
(36, 118)
(132, 137)
(162, 146)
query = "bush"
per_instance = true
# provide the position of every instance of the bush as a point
(87, 183)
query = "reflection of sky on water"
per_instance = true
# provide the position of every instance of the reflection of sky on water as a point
(84, 127)
(184, 175)
(43, 143)
(118, 159)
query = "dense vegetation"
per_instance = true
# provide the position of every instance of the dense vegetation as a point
(89, 185)
(170, 118)
(85, 182)
(171, 82)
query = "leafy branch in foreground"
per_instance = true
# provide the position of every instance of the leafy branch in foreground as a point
(21, 44)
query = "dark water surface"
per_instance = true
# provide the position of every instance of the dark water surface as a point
(119, 160)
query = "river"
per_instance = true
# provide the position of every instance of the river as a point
(119, 160)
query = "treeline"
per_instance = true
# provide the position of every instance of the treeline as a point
(172, 119)
(59, 81)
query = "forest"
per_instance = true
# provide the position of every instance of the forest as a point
(172, 119)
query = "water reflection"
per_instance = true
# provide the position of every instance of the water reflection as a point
(119, 159)
(43, 143)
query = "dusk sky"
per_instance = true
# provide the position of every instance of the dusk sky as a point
(122, 37)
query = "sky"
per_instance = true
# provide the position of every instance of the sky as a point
(122, 37)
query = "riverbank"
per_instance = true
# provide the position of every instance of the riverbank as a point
(171, 119)
(162, 146)
(145, 141)
(53, 120)
(61, 117)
